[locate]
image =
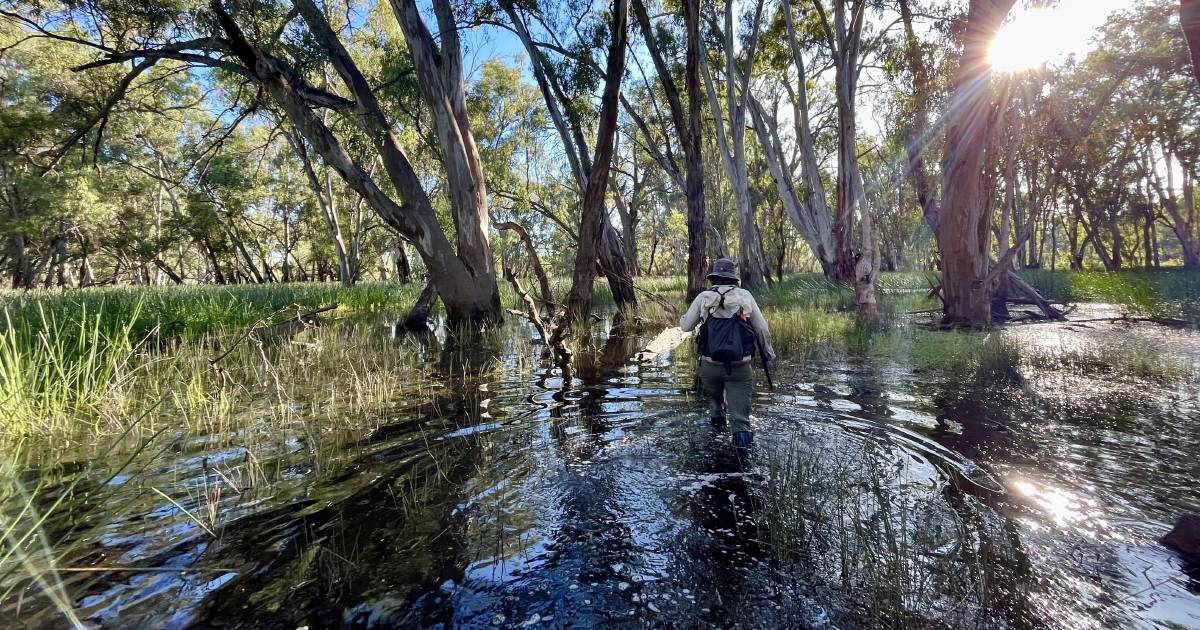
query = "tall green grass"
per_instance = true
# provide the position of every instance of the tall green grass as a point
(56, 365)
(193, 310)
(1165, 292)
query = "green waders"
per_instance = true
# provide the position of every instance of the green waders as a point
(729, 395)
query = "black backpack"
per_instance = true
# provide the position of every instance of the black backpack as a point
(726, 339)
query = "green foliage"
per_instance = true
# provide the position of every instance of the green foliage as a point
(1169, 293)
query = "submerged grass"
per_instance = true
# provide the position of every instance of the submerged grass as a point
(881, 543)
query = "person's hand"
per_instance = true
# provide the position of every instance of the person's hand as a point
(770, 355)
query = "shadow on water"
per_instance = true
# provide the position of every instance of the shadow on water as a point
(875, 496)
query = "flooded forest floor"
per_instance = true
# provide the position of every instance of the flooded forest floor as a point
(353, 475)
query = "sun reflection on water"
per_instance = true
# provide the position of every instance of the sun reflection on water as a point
(1065, 509)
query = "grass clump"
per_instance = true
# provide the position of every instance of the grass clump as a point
(989, 357)
(1128, 360)
(855, 521)
(54, 368)
(191, 311)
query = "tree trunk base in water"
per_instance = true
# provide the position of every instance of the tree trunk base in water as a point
(418, 318)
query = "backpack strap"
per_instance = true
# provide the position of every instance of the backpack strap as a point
(721, 303)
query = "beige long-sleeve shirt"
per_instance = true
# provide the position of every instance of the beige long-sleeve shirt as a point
(735, 298)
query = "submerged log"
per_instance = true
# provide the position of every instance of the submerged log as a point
(1184, 538)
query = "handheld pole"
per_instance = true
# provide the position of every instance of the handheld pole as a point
(766, 370)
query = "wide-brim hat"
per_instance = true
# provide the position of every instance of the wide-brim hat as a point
(724, 268)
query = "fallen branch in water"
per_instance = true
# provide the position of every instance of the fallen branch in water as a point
(552, 333)
(306, 318)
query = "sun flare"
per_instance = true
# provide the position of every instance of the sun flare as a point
(1047, 35)
(1026, 42)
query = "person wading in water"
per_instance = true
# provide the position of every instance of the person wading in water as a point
(731, 327)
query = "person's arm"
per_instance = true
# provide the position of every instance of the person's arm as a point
(759, 323)
(691, 318)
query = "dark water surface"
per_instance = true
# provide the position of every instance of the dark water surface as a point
(499, 500)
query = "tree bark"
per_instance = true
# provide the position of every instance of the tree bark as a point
(418, 317)
(733, 143)
(845, 41)
(22, 266)
(693, 146)
(964, 226)
(1189, 18)
(591, 223)
(439, 72)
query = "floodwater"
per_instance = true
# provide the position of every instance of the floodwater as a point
(875, 495)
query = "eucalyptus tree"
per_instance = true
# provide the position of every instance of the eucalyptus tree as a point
(964, 224)
(806, 205)
(566, 88)
(579, 300)
(260, 45)
(686, 123)
(842, 238)
(731, 139)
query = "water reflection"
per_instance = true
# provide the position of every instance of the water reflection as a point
(497, 498)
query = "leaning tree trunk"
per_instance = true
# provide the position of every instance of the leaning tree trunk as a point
(1189, 18)
(417, 319)
(613, 261)
(591, 223)
(629, 217)
(325, 200)
(693, 144)
(964, 226)
(464, 281)
(439, 72)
